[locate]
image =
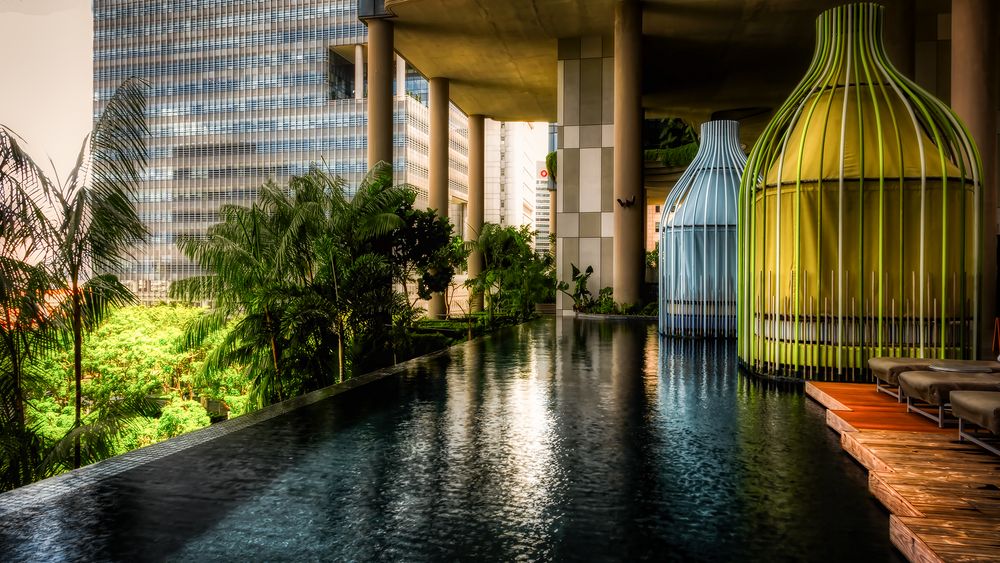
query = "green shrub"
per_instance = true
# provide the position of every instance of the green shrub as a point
(179, 417)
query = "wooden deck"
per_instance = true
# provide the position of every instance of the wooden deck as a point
(944, 495)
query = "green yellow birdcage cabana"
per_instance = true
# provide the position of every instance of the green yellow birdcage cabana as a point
(858, 217)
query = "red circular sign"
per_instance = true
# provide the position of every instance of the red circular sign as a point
(544, 173)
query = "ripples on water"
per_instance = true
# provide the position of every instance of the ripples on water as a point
(556, 440)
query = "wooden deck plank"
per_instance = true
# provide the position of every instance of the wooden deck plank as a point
(944, 494)
(819, 394)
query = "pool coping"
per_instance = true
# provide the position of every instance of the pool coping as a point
(615, 317)
(51, 488)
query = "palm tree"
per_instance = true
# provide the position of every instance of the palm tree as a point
(360, 247)
(59, 236)
(98, 225)
(244, 283)
(26, 327)
(261, 264)
(290, 274)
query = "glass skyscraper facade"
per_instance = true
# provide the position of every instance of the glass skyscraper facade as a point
(242, 92)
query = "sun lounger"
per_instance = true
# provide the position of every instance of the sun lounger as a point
(934, 388)
(981, 408)
(886, 370)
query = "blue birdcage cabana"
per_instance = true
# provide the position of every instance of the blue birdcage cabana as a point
(698, 239)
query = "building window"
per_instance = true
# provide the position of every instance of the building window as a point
(341, 77)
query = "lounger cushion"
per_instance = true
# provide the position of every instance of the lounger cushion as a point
(980, 407)
(934, 387)
(888, 369)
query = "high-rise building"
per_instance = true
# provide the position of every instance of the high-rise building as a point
(242, 92)
(543, 208)
(545, 198)
(512, 150)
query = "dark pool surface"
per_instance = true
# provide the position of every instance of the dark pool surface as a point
(585, 441)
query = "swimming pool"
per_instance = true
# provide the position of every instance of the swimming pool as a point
(559, 439)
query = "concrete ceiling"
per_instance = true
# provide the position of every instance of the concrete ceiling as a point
(499, 54)
(700, 56)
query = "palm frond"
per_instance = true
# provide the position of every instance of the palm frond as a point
(101, 295)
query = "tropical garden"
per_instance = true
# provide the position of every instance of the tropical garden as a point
(313, 283)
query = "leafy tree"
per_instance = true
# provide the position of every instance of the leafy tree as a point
(514, 276)
(458, 253)
(361, 237)
(423, 251)
(653, 257)
(180, 417)
(134, 353)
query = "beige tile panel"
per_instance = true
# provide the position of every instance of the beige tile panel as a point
(591, 91)
(590, 179)
(571, 135)
(590, 224)
(560, 94)
(608, 135)
(571, 93)
(590, 136)
(568, 224)
(608, 91)
(570, 255)
(569, 180)
(608, 224)
(608, 179)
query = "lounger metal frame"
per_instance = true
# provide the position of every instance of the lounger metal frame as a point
(888, 390)
(939, 418)
(963, 435)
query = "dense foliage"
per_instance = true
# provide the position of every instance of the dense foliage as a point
(136, 353)
(604, 304)
(309, 278)
(670, 141)
(514, 277)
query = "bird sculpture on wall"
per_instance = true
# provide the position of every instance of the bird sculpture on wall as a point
(627, 203)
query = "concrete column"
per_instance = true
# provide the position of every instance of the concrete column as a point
(973, 96)
(477, 187)
(380, 58)
(400, 76)
(359, 72)
(900, 34)
(628, 208)
(437, 163)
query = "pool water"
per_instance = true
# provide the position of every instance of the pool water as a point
(556, 440)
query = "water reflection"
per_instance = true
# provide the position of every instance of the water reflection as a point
(556, 440)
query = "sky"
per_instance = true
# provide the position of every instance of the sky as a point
(46, 65)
